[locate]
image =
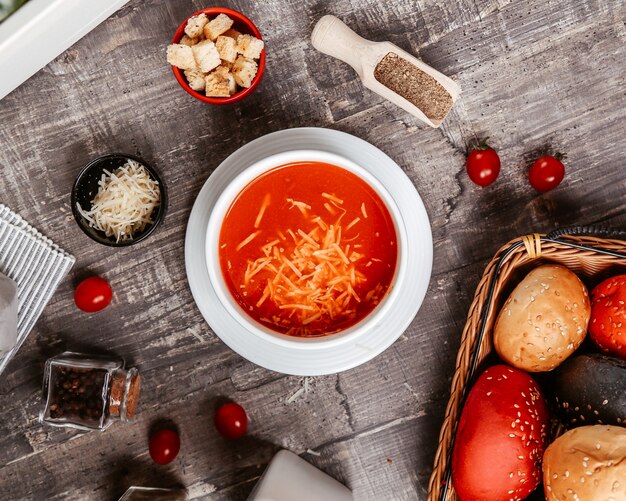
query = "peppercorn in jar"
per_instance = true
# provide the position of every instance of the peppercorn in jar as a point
(88, 393)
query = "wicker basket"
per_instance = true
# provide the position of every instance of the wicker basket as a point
(594, 254)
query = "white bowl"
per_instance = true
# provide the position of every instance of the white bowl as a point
(215, 273)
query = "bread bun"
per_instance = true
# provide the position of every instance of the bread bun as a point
(589, 389)
(608, 316)
(544, 320)
(586, 463)
(501, 437)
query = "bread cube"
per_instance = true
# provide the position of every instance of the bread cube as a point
(249, 46)
(228, 65)
(195, 25)
(181, 56)
(244, 71)
(226, 48)
(232, 33)
(217, 85)
(185, 40)
(195, 79)
(206, 55)
(224, 72)
(217, 26)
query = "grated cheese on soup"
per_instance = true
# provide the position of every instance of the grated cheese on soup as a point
(125, 201)
(314, 274)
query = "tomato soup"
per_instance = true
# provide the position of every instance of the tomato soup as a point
(308, 249)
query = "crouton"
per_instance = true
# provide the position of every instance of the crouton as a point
(224, 72)
(232, 33)
(217, 26)
(181, 56)
(226, 48)
(244, 71)
(207, 56)
(195, 79)
(195, 25)
(217, 85)
(249, 46)
(228, 65)
(185, 40)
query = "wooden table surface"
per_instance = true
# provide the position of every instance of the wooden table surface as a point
(536, 75)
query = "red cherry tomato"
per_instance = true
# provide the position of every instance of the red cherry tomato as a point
(483, 165)
(231, 421)
(93, 294)
(546, 173)
(164, 446)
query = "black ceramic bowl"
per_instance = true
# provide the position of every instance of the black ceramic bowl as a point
(86, 187)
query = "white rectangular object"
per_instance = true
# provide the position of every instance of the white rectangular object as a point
(290, 478)
(40, 30)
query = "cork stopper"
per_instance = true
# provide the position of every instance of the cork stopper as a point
(124, 396)
(132, 398)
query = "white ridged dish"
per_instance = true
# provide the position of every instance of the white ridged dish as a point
(335, 357)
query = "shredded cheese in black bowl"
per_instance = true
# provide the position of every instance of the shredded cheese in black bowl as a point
(118, 200)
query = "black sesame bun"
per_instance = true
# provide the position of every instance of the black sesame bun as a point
(590, 389)
(586, 463)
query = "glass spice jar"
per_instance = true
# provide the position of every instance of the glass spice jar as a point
(88, 392)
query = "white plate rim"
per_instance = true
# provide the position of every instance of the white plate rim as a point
(322, 360)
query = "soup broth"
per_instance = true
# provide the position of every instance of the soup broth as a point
(308, 249)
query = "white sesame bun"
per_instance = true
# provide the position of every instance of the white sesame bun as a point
(586, 464)
(544, 320)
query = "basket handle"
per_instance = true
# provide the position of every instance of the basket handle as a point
(588, 231)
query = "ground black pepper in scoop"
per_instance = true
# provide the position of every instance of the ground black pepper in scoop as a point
(389, 71)
(414, 85)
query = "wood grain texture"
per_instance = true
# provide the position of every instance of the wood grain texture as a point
(535, 74)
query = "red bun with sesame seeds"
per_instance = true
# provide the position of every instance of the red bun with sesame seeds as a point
(608, 316)
(544, 320)
(501, 437)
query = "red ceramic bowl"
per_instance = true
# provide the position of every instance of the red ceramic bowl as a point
(242, 24)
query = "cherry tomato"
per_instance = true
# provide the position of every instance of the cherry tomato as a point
(93, 294)
(483, 165)
(164, 446)
(546, 173)
(231, 421)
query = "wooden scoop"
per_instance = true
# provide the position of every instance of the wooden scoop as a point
(331, 36)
